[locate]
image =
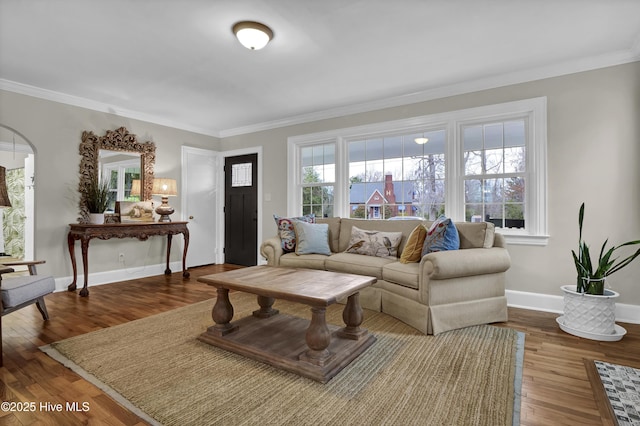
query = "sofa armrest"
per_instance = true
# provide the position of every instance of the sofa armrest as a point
(271, 249)
(465, 262)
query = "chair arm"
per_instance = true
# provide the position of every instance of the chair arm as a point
(31, 264)
(5, 270)
(271, 249)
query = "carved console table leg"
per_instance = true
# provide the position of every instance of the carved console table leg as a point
(318, 338)
(72, 253)
(169, 238)
(352, 316)
(185, 273)
(222, 315)
(84, 244)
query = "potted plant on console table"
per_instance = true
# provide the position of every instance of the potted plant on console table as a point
(589, 308)
(96, 197)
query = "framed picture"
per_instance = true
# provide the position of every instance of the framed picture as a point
(135, 211)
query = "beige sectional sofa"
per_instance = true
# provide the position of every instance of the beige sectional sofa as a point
(446, 290)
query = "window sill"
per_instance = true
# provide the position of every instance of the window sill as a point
(525, 239)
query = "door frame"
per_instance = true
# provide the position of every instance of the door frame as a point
(220, 190)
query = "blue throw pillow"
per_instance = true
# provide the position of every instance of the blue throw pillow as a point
(312, 238)
(441, 236)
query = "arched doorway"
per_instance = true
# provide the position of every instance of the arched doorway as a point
(17, 155)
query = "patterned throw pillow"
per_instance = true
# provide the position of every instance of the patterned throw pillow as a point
(441, 236)
(312, 238)
(374, 243)
(413, 249)
(286, 231)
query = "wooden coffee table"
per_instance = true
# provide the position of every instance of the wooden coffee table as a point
(310, 348)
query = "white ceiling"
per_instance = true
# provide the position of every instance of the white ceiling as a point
(177, 62)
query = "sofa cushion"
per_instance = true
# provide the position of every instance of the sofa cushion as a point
(357, 264)
(311, 238)
(374, 243)
(404, 226)
(334, 232)
(413, 248)
(309, 261)
(476, 235)
(404, 274)
(286, 232)
(441, 236)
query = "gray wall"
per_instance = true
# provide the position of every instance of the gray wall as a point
(593, 156)
(55, 130)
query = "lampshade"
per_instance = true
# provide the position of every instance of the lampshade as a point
(252, 35)
(4, 196)
(135, 188)
(421, 141)
(165, 187)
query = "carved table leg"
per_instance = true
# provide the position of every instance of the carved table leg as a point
(169, 238)
(222, 314)
(84, 243)
(266, 309)
(72, 253)
(185, 273)
(318, 338)
(352, 316)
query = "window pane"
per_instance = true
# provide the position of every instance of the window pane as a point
(492, 191)
(493, 136)
(473, 163)
(374, 171)
(514, 160)
(473, 191)
(514, 189)
(306, 156)
(374, 149)
(493, 161)
(514, 133)
(472, 138)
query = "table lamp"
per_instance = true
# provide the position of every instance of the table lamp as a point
(165, 188)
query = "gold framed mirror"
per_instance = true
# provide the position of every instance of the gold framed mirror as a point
(119, 141)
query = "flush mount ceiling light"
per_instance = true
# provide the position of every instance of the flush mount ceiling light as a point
(252, 35)
(421, 141)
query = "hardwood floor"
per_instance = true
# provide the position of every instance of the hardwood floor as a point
(556, 389)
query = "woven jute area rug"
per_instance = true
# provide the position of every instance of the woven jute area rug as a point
(158, 369)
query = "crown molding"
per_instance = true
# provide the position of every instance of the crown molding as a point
(492, 82)
(63, 98)
(501, 80)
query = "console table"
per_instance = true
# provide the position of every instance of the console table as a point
(142, 231)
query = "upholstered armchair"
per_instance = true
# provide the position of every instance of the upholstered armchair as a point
(21, 291)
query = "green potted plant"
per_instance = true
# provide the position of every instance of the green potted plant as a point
(589, 308)
(96, 197)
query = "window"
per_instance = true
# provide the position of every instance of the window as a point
(494, 164)
(395, 176)
(479, 164)
(317, 177)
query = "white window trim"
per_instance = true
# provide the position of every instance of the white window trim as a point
(536, 196)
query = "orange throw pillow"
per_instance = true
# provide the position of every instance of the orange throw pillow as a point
(413, 249)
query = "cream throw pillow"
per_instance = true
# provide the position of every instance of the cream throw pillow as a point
(374, 243)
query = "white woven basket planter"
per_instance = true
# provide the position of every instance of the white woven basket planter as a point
(590, 316)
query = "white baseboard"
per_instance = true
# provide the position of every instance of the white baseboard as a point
(107, 277)
(552, 303)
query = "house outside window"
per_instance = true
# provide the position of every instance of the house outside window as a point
(480, 164)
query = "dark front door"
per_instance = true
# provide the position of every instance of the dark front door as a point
(241, 210)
